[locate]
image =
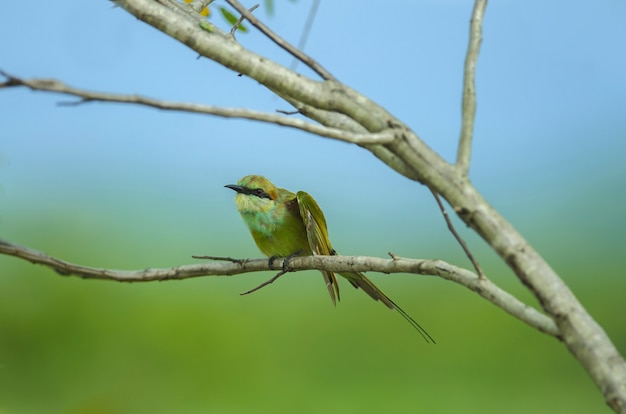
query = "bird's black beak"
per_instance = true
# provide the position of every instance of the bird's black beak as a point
(237, 188)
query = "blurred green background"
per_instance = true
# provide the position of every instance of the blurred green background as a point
(129, 188)
(74, 346)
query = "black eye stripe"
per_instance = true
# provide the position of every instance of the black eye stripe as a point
(259, 193)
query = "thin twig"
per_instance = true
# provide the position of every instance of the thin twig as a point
(456, 235)
(241, 19)
(220, 259)
(243, 261)
(53, 85)
(294, 51)
(306, 30)
(469, 87)
(267, 282)
(282, 111)
(485, 288)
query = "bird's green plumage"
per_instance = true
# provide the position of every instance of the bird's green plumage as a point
(283, 224)
(275, 223)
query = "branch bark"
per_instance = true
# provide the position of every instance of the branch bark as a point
(294, 51)
(229, 267)
(53, 85)
(469, 87)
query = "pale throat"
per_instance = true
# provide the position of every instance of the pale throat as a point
(261, 216)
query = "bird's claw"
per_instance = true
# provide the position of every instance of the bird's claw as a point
(271, 260)
(288, 259)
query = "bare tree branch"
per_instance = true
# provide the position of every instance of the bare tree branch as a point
(199, 5)
(53, 85)
(229, 267)
(456, 235)
(241, 19)
(306, 30)
(176, 6)
(409, 155)
(294, 51)
(469, 87)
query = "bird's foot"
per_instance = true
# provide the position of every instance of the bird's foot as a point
(288, 259)
(271, 260)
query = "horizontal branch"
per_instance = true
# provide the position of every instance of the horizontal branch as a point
(228, 267)
(56, 86)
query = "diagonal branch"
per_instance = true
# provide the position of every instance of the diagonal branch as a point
(53, 85)
(306, 30)
(457, 236)
(469, 87)
(229, 267)
(241, 19)
(291, 49)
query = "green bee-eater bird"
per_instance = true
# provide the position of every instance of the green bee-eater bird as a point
(285, 224)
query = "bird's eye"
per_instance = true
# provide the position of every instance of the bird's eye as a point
(261, 194)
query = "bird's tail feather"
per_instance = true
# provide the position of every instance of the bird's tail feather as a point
(358, 280)
(332, 286)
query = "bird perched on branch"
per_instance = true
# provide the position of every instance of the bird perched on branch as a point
(284, 224)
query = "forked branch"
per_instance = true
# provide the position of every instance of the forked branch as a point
(291, 49)
(457, 236)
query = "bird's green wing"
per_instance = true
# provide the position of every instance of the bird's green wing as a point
(315, 224)
(317, 235)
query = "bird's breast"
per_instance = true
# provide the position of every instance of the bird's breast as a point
(277, 232)
(263, 222)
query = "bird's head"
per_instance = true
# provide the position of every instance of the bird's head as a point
(255, 193)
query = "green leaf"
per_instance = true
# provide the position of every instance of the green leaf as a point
(230, 18)
(207, 26)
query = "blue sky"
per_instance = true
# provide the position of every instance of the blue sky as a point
(550, 128)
